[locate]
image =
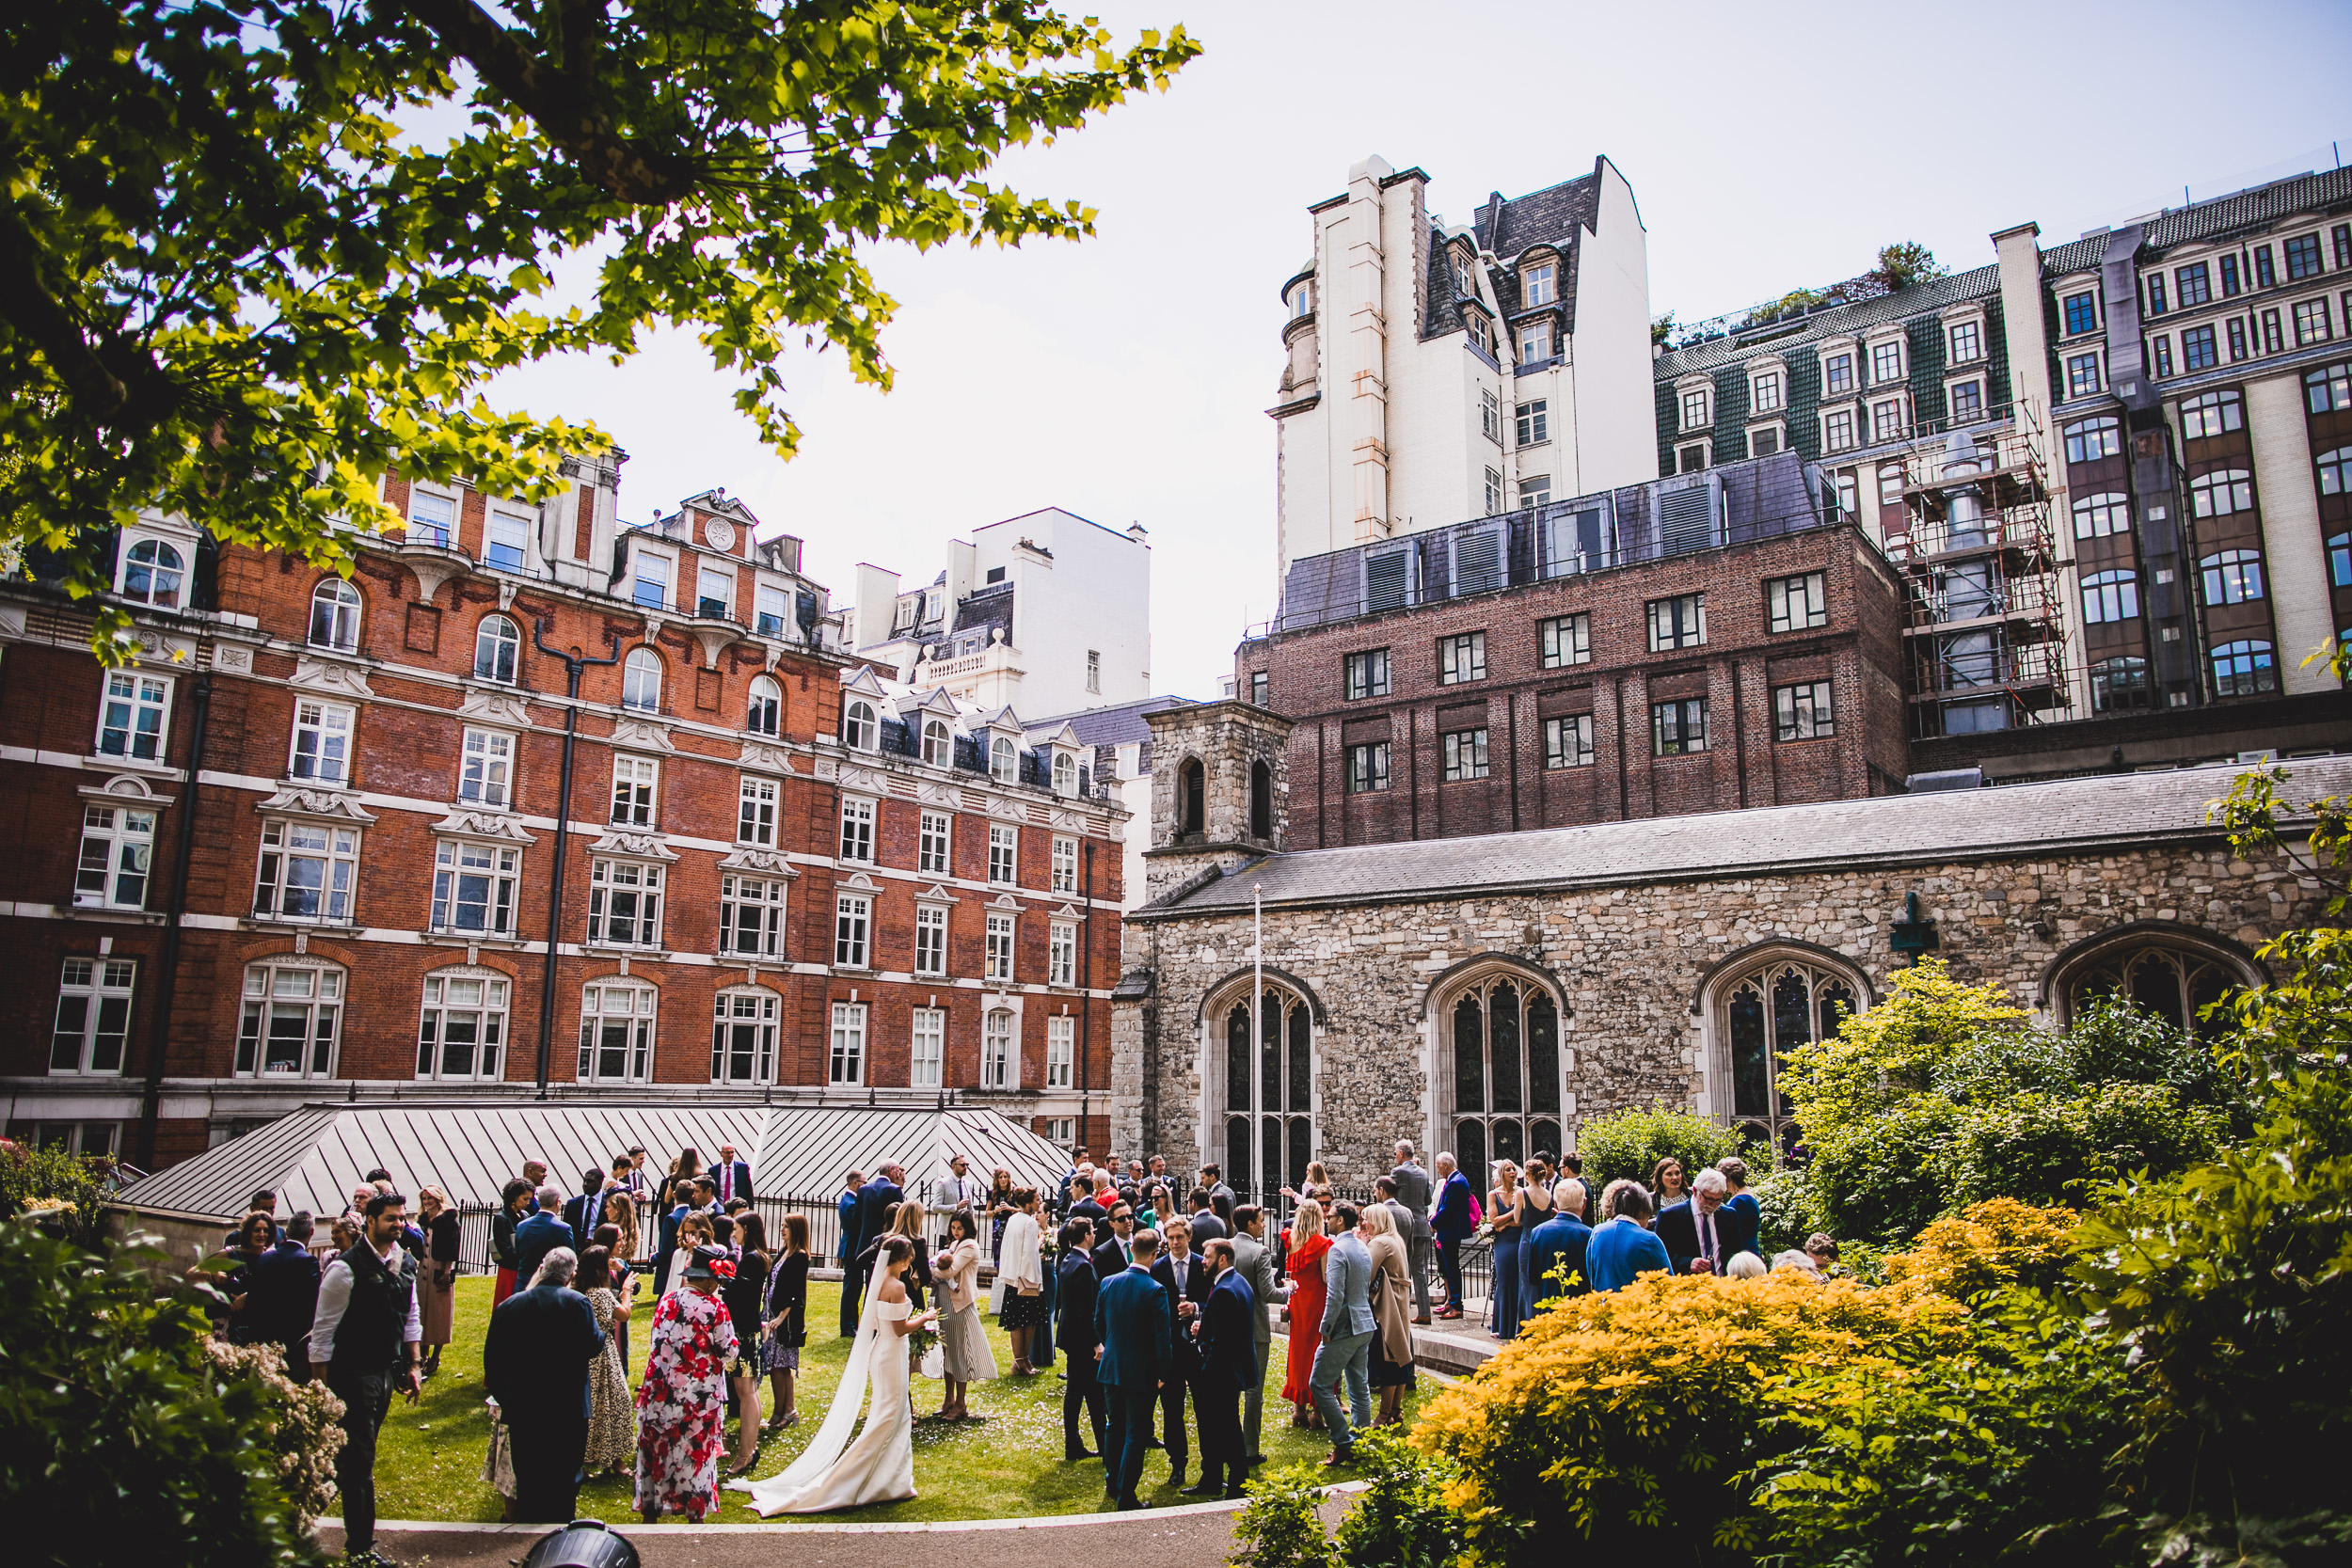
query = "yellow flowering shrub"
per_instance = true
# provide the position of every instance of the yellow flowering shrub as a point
(1985, 1246)
(1631, 1422)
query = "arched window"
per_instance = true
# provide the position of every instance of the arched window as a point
(2110, 597)
(2222, 493)
(463, 1031)
(2173, 977)
(1261, 801)
(743, 1036)
(2340, 559)
(860, 730)
(2232, 576)
(2096, 516)
(1501, 1071)
(496, 646)
(2328, 389)
(1268, 1098)
(641, 680)
(334, 615)
(939, 743)
(2335, 472)
(1065, 774)
(293, 1018)
(2244, 669)
(1192, 795)
(1763, 1013)
(153, 574)
(767, 706)
(1004, 761)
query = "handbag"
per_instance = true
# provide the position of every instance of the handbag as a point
(996, 1295)
(934, 1363)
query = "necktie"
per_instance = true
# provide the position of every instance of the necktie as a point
(726, 1181)
(1706, 1235)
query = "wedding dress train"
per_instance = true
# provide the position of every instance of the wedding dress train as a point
(879, 1465)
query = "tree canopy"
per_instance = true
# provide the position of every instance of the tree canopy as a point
(233, 284)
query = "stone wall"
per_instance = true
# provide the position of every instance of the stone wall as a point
(1632, 963)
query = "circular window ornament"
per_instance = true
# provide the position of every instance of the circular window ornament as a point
(719, 533)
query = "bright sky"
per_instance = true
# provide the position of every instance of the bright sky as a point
(1126, 377)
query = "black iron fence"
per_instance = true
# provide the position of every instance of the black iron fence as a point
(824, 1230)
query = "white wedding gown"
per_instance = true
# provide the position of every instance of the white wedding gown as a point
(879, 1467)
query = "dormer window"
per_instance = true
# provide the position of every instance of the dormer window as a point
(1837, 374)
(1003, 761)
(152, 573)
(772, 605)
(860, 730)
(1694, 409)
(1886, 362)
(1764, 391)
(939, 743)
(714, 591)
(1481, 333)
(1301, 300)
(1539, 284)
(1967, 340)
(652, 588)
(1065, 774)
(1535, 342)
(506, 542)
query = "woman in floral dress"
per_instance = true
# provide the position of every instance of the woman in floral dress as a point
(611, 1427)
(680, 1405)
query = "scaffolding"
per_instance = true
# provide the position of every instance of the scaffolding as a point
(1985, 605)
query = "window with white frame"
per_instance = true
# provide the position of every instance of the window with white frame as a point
(1494, 493)
(931, 939)
(1678, 623)
(1061, 1050)
(1846, 489)
(1886, 363)
(1802, 712)
(641, 681)
(1000, 1056)
(624, 903)
(743, 1036)
(857, 829)
(764, 706)
(1464, 753)
(118, 848)
(616, 1033)
(1061, 954)
(1967, 341)
(772, 604)
(1539, 283)
(1966, 400)
(93, 1015)
(1065, 864)
(933, 843)
(1533, 419)
(1001, 931)
(1004, 853)
(651, 588)
(335, 616)
(432, 519)
(1764, 391)
(1462, 658)
(309, 871)
(1536, 490)
(1764, 440)
(1837, 430)
(852, 930)
(485, 769)
(1003, 761)
(321, 742)
(755, 813)
(1094, 669)
(473, 887)
(462, 1033)
(505, 540)
(1535, 342)
(750, 915)
(845, 1063)
(292, 1020)
(1061, 1129)
(1481, 331)
(1792, 604)
(1569, 741)
(1065, 774)
(635, 784)
(861, 730)
(1566, 640)
(927, 1048)
(714, 591)
(155, 573)
(131, 717)
(496, 645)
(939, 744)
(1489, 415)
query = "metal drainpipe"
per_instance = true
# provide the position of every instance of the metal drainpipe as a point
(168, 960)
(573, 665)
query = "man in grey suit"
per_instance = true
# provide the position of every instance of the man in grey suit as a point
(1348, 1326)
(1414, 1191)
(1255, 1265)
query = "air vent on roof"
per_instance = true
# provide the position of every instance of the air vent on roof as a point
(1955, 778)
(1688, 512)
(1388, 580)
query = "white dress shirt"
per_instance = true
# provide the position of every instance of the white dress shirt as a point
(335, 1299)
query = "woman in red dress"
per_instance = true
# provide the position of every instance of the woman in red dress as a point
(1307, 1243)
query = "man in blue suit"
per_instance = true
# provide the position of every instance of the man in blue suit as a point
(1697, 1238)
(539, 1235)
(731, 1178)
(1621, 1245)
(874, 1202)
(1074, 1331)
(1226, 1343)
(1348, 1326)
(1450, 1225)
(1743, 1217)
(845, 1250)
(534, 1362)
(1554, 1250)
(1134, 1354)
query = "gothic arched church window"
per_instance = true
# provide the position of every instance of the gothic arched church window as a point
(1268, 1090)
(1503, 1069)
(1768, 1012)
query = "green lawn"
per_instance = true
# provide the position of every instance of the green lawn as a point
(429, 1460)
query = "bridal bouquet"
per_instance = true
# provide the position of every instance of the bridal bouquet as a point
(923, 1344)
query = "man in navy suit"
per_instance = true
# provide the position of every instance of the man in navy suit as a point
(282, 1294)
(1134, 1354)
(731, 1178)
(1554, 1250)
(1226, 1346)
(1187, 1281)
(1118, 1251)
(1741, 1216)
(845, 1248)
(534, 1363)
(539, 1235)
(874, 1203)
(584, 1213)
(1450, 1225)
(1698, 1233)
(1074, 1333)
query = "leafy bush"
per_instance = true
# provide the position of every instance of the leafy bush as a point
(1633, 1423)
(1988, 1247)
(1281, 1525)
(120, 1430)
(1886, 1178)
(2050, 1146)
(74, 1184)
(1789, 1208)
(306, 1432)
(1401, 1520)
(1629, 1144)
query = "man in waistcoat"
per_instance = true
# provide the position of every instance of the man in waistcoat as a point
(365, 1344)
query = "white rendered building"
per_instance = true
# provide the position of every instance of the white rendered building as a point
(1046, 611)
(1439, 373)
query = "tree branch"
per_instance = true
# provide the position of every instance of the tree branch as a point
(39, 314)
(564, 103)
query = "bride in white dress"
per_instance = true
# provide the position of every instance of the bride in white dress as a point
(832, 1472)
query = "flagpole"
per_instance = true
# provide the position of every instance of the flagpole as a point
(1257, 1017)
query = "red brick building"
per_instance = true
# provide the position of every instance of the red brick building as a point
(310, 845)
(1704, 643)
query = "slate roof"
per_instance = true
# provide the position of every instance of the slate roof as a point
(1976, 284)
(2247, 209)
(1121, 724)
(314, 1158)
(1554, 215)
(1927, 829)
